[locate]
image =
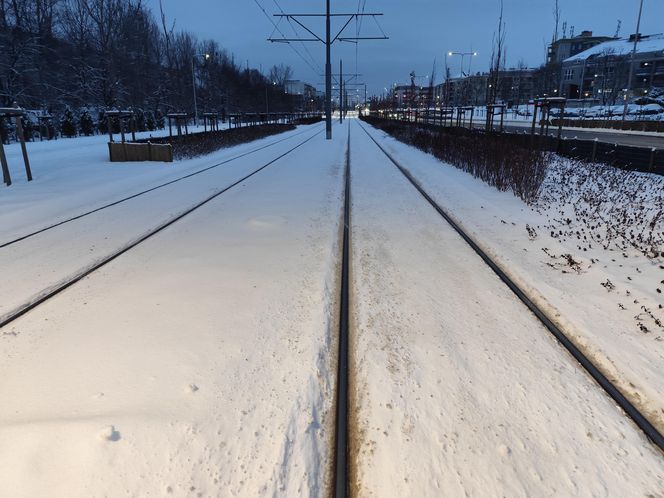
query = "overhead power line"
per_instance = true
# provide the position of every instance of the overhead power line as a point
(276, 28)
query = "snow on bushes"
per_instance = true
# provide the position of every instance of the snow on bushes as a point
(494, 160)
(598, 205)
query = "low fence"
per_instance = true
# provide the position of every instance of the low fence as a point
(649, 126)
(239, 120)
(129, 151)
(632, 158)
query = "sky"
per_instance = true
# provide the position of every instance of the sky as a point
(420, 31)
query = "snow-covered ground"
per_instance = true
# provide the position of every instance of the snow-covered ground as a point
(459, 390)
(199, 364)
(563, 272)
(87, 183)
(203, 361)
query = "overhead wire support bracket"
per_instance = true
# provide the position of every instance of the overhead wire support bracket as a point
(328, 41)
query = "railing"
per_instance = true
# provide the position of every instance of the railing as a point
(633, 158)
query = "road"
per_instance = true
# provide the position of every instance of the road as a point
(614, 137)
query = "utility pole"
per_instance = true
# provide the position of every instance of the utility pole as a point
(630, 88)
(341, 91)
(328, 42)
(193, 81)
(328, 77)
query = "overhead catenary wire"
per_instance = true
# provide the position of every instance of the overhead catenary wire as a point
(297, 34)
(276, 28)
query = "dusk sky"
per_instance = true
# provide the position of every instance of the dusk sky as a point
(419, 30)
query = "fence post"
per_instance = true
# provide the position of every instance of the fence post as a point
(652, 159)
(5, 167)
(24, 150)
(109, 123)
(592, 159)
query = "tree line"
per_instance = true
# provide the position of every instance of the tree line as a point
(102, 54)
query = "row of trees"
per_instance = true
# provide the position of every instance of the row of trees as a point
(117, 53)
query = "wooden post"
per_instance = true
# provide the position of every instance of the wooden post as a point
(5, 167)
(560, 121)
(109, 122)
(133, 128)
(186, 128)
(24, 150)
(502, 118)
(532, 129)
(121, 124)
(594, 150)
(472, 113)
(653, 150)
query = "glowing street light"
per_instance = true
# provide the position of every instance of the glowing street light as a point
(193, 79)
(463, 55)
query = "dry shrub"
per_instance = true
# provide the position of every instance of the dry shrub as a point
(494, 159)
(197, 144)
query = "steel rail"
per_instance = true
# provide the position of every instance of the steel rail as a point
(341, 474)
(613, 391)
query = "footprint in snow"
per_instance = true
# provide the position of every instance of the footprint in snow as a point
(265, 222)
(109, 433)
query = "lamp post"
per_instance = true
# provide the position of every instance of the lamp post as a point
(631, 66)
(193, 80)
(463, 55)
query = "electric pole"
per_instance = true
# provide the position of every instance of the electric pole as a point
(341, 91)
(328, 78)
(328, 42)
(630, 88)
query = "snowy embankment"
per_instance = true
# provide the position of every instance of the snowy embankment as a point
(201, 363)
(608, 300)
(40, 262)
(460, 391)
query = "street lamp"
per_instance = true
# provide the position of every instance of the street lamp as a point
(631, 65)
(463, 55)
(193, 80)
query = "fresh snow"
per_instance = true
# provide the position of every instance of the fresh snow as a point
(460, 391)
(588, 311)
(199, 364)
(203, 362)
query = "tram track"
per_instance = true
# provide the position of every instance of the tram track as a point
(341, 446)
(642, 422)
(84, 214)
(52, 291)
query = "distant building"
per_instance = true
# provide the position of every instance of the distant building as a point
(567, 47)
(602, 72)
(515, 86)
(411, 96)
(305, 94)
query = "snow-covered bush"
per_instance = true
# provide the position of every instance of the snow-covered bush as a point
(86, 123)
(28, 128)
(68, 123)
(150, 123)
(139, 119)
(498, 162)
(159, 119)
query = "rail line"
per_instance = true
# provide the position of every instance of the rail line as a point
(147, 191)
(639, 419)
(341, 470)
(51, 292)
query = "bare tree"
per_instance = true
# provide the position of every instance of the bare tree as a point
(498, 56)
(280, 74)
